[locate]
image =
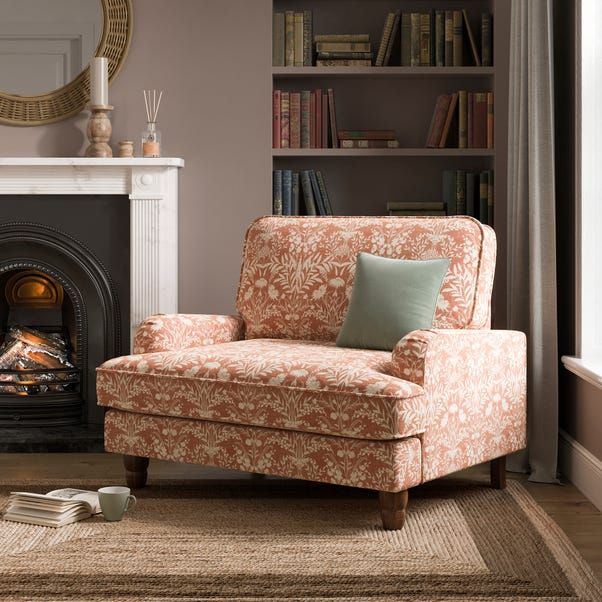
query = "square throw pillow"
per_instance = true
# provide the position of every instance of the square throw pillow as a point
(390, 298)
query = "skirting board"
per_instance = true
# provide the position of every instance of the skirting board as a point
(581, 467)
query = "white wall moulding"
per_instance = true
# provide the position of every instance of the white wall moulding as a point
(152, 187)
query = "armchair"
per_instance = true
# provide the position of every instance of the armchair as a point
(267, 391)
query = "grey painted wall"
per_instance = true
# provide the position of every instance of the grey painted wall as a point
(212, 58)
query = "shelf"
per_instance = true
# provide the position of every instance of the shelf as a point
(383, 152)
(383, 72)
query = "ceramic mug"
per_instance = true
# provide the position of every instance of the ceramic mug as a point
(114, 502)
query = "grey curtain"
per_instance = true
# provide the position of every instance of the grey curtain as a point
(532, 227)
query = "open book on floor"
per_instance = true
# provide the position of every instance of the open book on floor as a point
(54, 509)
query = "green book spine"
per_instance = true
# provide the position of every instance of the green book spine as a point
(483, 186)
(305, 119)
(384, 40)
(425, 39)
(289, 37)
(461, 192)
(324, 193)
(462, 119)
(277, 192)
(295, 194)
(440, 38)
(471, 180)
(406, 40)
(415, 40)
(490, 199)
(308, 33)
(449, 38)
(287, 192)
(308, 195)
(316, 190)
(278, 40)
(487, 39)
(449, 191)
(458, 41)
(392, 38)
(432, 39)
(298, 43)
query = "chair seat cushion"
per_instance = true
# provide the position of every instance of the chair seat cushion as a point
(276, 383)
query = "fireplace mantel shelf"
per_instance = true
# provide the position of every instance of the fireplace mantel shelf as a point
(152, 188)
(87, 161)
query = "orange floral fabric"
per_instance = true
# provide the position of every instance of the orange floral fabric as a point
(476, 384)
(297, 385)
(297, 273)
(167, 332)
(383, 465)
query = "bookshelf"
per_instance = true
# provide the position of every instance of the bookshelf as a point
(362, 181)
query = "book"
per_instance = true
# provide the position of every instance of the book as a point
(425, 39)
(449, 38)
(308, 31)
(295, 120)
(289, 38)
(366, 135)
(490, 199)
(415, 40)
(308, 196)
(449, 191)
(479, 120)
(284, 119)
(278, 39)
(432, 37)
(469, 119)
(440, 38)
(438, 121)
(369, 143)
(473, 45)
(487, 39)
(321, 209)
(344, 55)
(342, 37)
(305, 118)
(406, 39)
(298, 43)
(457, 38)
(483, 196)
(332, 117)
(392, 38)
(490, 121)
(312, 119)
(462, 119)
(324, 193)
(276, 119)
(56, 508)
(453, 103)
(343, 63)
(343, 47)
(295, 194)
(325, 120)
(471, 194)
(277, 192)
(384, 40)
(460, 192)
(318, 120)
(287, 192)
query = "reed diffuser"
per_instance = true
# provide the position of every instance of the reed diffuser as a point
(151, 136)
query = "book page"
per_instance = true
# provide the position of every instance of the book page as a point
(89, 497)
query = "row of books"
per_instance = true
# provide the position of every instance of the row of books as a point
(469, 193)
(299, 193)
(292, 33)
(462, 120)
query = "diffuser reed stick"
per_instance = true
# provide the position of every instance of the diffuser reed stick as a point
(151, 137)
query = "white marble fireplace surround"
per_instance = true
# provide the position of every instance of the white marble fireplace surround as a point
(152, 187)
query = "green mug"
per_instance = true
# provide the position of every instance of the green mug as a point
(114, 502)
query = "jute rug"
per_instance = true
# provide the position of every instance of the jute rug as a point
(273, 541)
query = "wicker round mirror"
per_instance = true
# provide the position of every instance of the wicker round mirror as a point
(62, 47)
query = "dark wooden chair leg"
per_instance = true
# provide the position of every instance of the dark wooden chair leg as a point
(393, 509)
(498, 473)
(135, 471)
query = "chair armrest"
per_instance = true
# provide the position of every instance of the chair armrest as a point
(475, 383)
(170, 332)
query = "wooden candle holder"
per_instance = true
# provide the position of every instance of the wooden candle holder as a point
(99, 131)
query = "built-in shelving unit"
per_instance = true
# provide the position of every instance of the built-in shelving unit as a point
(383, 152)
(356, 72)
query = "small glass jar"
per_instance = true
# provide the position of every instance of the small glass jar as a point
(151, 141)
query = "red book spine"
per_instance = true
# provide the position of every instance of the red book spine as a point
(295, 120)
(324, 120)
(318, 134)
(438, 121)
(490, 121)
(312, 120)
(470, 120)
(284, 119)
(480, 121)
(276, 119)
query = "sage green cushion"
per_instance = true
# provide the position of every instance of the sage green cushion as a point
(390, 298)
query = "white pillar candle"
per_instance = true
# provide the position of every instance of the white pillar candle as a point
(99, 81)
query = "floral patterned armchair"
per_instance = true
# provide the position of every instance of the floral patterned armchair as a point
(267, 391)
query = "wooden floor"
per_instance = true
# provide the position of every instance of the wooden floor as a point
(578, 518)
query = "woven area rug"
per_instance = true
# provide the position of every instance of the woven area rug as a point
(270, 540)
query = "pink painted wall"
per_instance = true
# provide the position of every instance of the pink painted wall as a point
(212, 58)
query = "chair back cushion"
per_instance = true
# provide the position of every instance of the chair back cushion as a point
(297, 272)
